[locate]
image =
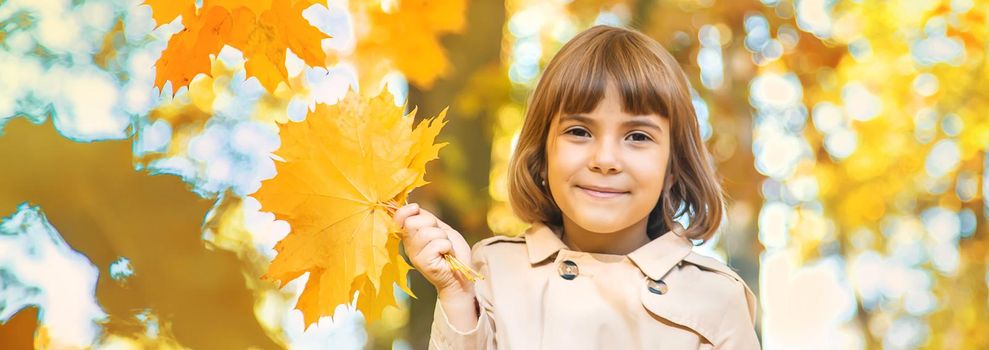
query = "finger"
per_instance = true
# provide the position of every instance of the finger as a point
(404, 213)
(422, 238)
(439, 223)
(431, 254)
(461, 249)
(418, 222)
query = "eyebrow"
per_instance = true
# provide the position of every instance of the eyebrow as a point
(639, 121)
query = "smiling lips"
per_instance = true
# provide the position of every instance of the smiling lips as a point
(601, 192)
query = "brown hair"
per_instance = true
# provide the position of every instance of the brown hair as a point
(650, 81)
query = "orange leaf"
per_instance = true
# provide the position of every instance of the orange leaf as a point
(261, 29)
(188, 51)
(343, 168)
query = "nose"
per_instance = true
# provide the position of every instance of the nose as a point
(605, 159)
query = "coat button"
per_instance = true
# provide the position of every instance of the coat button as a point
(568, 270)
(657, 287)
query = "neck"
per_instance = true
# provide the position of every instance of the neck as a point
(620, 242)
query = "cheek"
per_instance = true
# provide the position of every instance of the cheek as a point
(650, 173)
(563, 160)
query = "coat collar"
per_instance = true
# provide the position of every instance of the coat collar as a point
(655, 259)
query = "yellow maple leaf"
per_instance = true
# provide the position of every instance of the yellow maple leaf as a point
(264, 36)
(261, 29)
(341, 173)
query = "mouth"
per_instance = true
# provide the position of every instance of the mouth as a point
(601, 192)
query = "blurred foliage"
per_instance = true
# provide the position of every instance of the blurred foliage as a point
(105, 209)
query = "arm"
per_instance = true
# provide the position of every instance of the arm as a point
(743, 314)
(463, 320)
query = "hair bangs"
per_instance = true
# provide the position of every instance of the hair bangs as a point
(590, 77)
(642, 84)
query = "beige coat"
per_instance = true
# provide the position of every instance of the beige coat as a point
(540, 295)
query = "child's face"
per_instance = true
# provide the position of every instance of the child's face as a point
(605, 169)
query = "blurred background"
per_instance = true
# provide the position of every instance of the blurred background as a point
(851, 137)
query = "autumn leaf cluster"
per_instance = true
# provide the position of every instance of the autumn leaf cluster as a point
(341, 172)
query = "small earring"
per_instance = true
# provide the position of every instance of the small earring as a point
(544, 183)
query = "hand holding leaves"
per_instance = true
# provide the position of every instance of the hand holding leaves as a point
(435, 249)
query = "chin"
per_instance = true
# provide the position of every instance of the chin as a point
(597, 225)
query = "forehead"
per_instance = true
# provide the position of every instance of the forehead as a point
(615, 88)
(609, 108)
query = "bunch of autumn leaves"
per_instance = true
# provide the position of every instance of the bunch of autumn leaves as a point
(341, 172)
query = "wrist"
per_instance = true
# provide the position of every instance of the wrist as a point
(456, 293)
(460, 306)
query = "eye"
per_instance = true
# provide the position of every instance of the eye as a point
(639, 137)
(579, 132)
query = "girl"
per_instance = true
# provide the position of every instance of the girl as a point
(609, 154)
